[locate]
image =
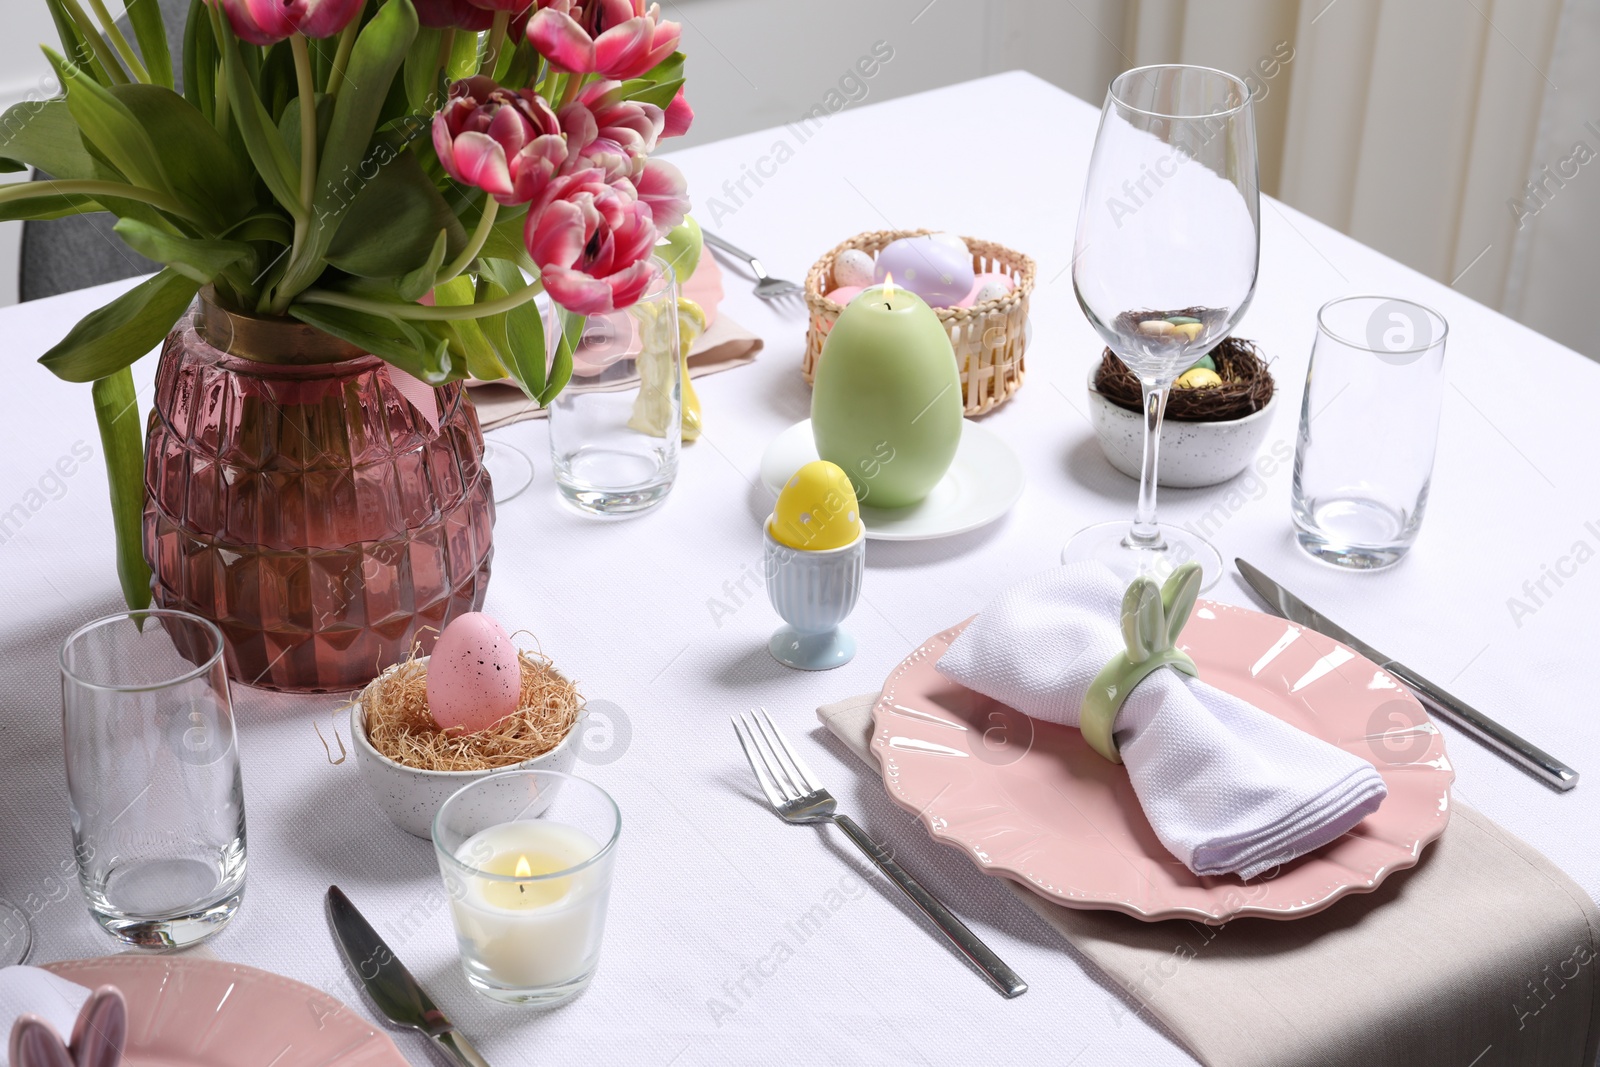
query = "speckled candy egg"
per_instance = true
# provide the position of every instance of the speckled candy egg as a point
(474, 677)
(932, 269)
(852, 267)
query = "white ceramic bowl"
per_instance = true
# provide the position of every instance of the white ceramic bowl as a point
(1193, 454)
(411, 797)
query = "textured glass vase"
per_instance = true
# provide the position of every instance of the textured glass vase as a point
(297, 498)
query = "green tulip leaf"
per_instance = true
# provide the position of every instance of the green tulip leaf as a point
(106, 123)
(517, 335)
(109, 339)
(206, 172)
(260, 135)
(74, 44)
(422, 352)
(379, 50)
(151, 33)
(116, 410)
(44, 208)
(44, 134)
(393, 219)
(200, 60)
(200, 260)
(417, 284)
(646, 92)
(506, 239)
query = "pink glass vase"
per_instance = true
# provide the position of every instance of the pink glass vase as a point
(300, 500)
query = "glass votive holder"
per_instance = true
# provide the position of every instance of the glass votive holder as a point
(527, 858)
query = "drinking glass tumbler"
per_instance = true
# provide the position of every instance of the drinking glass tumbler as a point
(153, 776)
(616, 428)
(526, 858)
(1369, 422)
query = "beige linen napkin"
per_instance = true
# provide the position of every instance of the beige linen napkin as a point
(1483, 955)
(722, 347)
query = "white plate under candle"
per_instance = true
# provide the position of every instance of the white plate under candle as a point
(982, 484)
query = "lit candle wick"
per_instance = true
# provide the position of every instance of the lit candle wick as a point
(888, 286)
(524, 870)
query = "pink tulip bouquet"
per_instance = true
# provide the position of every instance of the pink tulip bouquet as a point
(340, 161)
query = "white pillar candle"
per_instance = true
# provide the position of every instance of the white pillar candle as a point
(541, 932)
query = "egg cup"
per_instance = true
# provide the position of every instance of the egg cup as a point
(813, 592)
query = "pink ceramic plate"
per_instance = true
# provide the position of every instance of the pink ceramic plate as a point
(205, 1012)
(1031, 800)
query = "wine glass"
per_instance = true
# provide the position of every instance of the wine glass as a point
(1164, 265)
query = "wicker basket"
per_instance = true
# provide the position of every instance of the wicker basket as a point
(989, 338)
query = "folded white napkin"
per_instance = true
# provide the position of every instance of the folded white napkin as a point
(1228, 788)
(26, 990)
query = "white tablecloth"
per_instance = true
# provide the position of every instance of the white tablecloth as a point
(730, 932)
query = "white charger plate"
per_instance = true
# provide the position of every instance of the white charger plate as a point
(983, 482)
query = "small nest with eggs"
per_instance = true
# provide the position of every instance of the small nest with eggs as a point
(1246, 385)
(400, 726)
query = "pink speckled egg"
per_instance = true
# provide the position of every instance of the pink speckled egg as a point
(474, 677)
(932, 269)
(845, 293)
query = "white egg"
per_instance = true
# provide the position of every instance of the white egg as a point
(852, 267)
(991, 291)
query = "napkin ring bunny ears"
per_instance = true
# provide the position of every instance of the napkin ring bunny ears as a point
(1152, 618)
(98, 1038)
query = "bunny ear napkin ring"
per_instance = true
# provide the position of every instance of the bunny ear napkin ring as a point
(1152, 618)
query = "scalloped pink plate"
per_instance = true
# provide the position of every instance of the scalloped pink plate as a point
(1032, 801)
(184, 1011)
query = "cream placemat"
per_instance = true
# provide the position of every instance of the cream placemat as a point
(722, 347)
(1483, 955)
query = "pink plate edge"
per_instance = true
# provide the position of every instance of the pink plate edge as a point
(143, 967)
(1434, 830)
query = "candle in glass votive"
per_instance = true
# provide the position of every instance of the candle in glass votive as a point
(527, 858)
(534, 924)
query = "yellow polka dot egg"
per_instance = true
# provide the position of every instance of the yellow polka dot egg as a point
(817, 509)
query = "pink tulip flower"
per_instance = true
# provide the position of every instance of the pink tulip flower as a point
(513, 6)
(618, 39)
(680, 116)
(280, 19)
(453, 14)
(605, 131)
(244, 24)
(506, 142)
(662, 187)
(592, 241)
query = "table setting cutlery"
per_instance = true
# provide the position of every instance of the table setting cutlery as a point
(1525, 754)
(767, 287)
(390, 986)
(798, 797)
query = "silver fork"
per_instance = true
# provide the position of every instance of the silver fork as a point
(798, 797)
(767, 287)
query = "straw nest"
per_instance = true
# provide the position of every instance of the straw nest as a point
(400, 727)
(1246, 385)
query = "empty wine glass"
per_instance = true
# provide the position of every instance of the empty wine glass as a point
(1164, 265)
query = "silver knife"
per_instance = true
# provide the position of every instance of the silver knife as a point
(391, 987)
(1463, 716)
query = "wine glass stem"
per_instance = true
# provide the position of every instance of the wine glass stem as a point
(1145, 533)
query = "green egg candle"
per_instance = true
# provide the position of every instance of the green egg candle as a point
(886, 404)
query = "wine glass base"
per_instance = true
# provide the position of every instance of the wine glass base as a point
(1108, 543)
(510, 469)
(16, 934)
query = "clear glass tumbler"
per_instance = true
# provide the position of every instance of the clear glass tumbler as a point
(616, 428)
(1369, 422)
(153, 776)
(527, 858)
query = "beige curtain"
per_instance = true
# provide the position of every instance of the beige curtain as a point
(1415, 126)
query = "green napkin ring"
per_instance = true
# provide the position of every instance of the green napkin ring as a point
(1152, 618)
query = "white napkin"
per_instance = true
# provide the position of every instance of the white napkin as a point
(1228, 788)
(29, 989)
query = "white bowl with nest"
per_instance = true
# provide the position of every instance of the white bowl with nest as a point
(1193, 454)
(411, 796)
